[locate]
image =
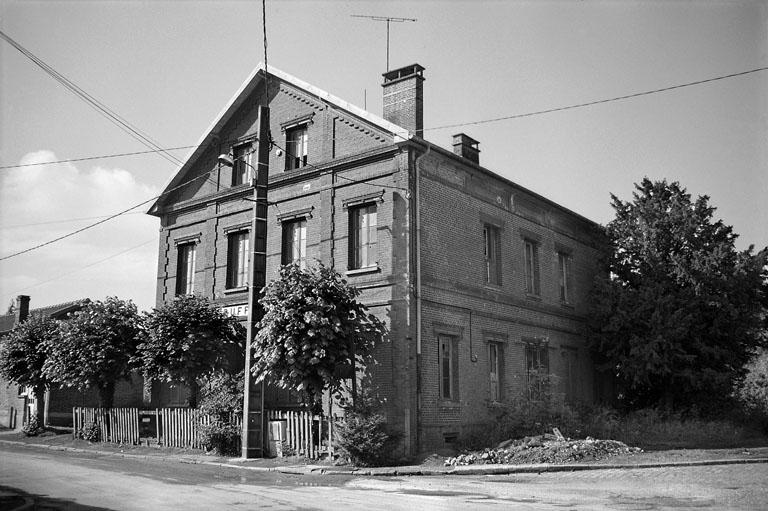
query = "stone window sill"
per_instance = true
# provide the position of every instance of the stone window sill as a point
(234, 290)
(362, 271)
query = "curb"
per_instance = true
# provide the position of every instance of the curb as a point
(462, 470)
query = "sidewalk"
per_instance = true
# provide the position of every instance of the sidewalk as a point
(277, 464)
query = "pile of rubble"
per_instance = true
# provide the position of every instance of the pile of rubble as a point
(544, 449)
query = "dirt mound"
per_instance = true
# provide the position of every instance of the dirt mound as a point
(544, 449)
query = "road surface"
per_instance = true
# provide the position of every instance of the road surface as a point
(82, 482)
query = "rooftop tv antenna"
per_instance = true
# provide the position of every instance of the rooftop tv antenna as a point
(388, 20)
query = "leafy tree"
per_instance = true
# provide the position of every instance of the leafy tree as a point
(679, 310)
(23, 353)
(187, 339)
(313, 330)
(96, 347)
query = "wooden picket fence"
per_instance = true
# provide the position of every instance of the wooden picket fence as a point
(305, 434)
(116, 425)
(180, 427)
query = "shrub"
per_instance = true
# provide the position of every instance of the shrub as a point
(90, 432)
(32, 427)
(222, 438)
(222, 402)
(222, 396)
(362, 436)
(753, 391)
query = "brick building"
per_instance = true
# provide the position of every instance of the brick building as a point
(481, 282)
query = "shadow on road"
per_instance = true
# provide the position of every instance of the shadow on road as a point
(12, 499)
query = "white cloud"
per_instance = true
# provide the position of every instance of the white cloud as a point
(43, 202)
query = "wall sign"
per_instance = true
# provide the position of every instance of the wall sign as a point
(236, 310)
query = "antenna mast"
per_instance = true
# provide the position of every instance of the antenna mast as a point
(388, 20)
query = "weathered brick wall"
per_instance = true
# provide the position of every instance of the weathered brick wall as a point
(11, 405)
(456, 201)
(382, 177)
(128, 394)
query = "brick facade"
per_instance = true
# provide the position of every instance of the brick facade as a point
(432, 207)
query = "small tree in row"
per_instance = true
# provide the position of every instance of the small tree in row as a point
(103, 343)
(313, 331)
(96, 347)
(187, 339)
(23, 354)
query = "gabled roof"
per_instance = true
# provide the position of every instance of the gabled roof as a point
(57, 311)
(256, 77)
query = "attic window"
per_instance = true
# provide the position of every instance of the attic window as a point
(296, 141)
(241, 157)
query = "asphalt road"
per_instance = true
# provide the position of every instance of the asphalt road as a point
(41, 479)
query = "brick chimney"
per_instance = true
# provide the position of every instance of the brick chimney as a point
(22, 309)
(404, 98)
(466, 147)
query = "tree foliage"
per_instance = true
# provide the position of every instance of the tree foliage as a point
(313, 330)
(678, 312)
(187, 339)
(96, 347)
(23, 353)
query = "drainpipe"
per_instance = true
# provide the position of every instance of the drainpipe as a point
(417, 209)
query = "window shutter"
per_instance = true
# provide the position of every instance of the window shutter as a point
(455, 369)
(500, 358)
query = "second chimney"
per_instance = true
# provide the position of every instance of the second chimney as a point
(404, 98)
(466, 147)
(21, 310)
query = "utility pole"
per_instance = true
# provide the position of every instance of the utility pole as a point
(253, 400)
(388, 20)
(253, 396)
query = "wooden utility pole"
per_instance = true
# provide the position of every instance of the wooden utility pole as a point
(388, 20)
(253, 400)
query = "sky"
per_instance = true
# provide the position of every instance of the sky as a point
(170, 67)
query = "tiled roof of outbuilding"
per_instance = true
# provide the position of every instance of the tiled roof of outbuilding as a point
(57, 311)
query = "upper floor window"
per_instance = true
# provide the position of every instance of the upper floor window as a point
(296, 146)
(532, 267)
(362, 237)
(241, 159)
(564, 276)
(491, 246)
(295, 243)
(237, 259)
(185, 269)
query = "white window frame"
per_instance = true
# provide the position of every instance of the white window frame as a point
(185, 270)
(295, 240)
(531, 263)
(296, 146)
(363, 236)
(237, 261)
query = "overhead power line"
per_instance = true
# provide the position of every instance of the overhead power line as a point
(90, 265)
(599, 101)
(508, 117)
(102, 157)
(94, 103)
(106, 219)
(63, 221)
